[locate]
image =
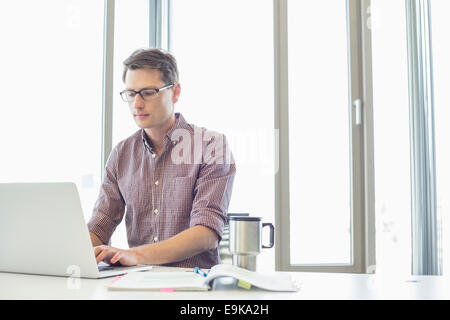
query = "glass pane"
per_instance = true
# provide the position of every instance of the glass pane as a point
(391, 136)
(50, 114)
(226, 76)
(131, 32)
(320, 200)
(441, 67)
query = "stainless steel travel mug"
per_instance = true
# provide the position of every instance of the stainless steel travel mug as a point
(246, 240)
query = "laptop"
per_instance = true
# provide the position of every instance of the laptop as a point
(43, 231)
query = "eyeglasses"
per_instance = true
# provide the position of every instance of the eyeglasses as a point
(146, 93)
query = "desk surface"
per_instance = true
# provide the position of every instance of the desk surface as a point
(313, 286)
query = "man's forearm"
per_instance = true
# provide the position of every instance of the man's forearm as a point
(184, 245)
(95, 240)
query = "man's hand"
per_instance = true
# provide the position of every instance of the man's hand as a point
(112, 255)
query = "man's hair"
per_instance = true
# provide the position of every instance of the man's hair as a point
(155, 59)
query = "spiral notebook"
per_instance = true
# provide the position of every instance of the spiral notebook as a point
(190, 281)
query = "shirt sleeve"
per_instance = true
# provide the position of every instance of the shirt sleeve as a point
(213, 188)
(110, 205)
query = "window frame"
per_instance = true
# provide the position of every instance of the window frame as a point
(362, 157)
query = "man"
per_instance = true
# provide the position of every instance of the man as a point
(172, 180)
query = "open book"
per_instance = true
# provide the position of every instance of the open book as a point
(190, 281)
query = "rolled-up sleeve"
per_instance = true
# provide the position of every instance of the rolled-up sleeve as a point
(213, 188)
(110, 205)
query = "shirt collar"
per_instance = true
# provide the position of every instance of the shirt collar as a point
(180, 123)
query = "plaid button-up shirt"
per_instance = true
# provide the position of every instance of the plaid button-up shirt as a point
(189, 184)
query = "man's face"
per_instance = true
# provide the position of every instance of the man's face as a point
(158, 111)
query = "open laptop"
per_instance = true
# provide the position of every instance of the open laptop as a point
(42, 231)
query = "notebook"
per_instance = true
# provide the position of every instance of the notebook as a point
(190, 281)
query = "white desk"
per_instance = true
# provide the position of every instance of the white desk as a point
(314, 286)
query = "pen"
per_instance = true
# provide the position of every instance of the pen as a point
(200, 271)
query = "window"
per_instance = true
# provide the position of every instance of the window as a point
(131, 32)
(392, 142)
(226, 75)
(441, 69)
(50, 119)
(411, 152)
(324, 109)
(319, 137)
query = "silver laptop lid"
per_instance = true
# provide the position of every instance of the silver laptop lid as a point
(42, 230)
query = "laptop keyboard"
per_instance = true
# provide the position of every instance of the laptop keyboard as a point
(105, 267)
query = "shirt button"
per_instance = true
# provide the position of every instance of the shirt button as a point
(153, 155)
(156, 182)
(174, 142)
(155, 239)
(156, 211)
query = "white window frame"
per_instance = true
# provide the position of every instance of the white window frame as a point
(360, 84)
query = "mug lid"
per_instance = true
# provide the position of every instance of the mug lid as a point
(240, 218)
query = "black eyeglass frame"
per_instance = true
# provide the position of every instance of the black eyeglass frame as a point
(157, 91)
